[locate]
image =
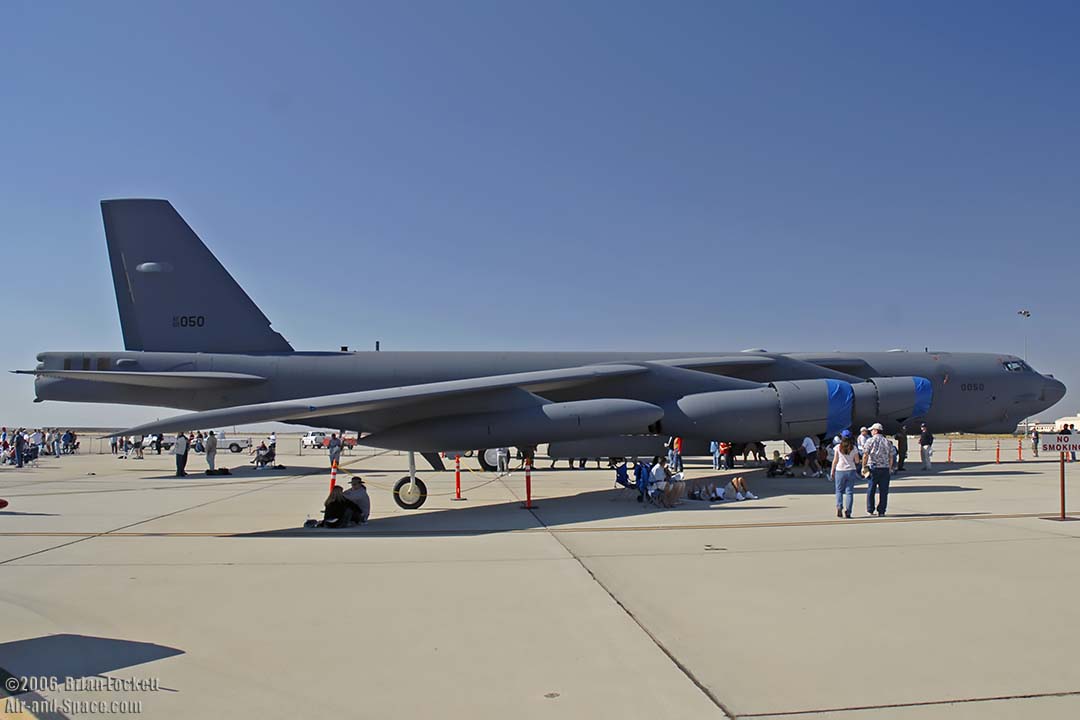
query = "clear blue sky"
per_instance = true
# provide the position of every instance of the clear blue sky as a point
(568, 175)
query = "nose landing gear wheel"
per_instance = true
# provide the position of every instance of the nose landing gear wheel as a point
(410, 499)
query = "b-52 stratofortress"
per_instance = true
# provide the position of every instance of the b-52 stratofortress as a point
(194, 340)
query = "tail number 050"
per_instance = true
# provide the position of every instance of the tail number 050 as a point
(188, 321)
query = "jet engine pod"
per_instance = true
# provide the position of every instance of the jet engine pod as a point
(776, 411)
(525, 426)
(892, 400)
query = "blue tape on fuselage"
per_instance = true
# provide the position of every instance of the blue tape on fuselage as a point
(924, 397)
(841, 401)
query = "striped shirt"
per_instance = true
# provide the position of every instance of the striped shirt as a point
(878, 452)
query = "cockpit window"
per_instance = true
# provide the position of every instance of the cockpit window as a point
(1013, 366)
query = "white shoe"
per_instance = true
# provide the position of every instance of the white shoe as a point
(740, 496)
(751, 496)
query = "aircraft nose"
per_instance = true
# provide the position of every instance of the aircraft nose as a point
(1053, 390)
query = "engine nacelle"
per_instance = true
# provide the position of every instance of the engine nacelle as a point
(891, 400)
(779, 410)
(525, 426)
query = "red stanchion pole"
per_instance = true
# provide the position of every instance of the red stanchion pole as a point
(950, 450)
(1020, 450)
(528, 485)
(997, 453)
(457, 478)
(1062, 486)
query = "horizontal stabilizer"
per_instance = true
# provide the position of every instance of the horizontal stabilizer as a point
(370, 400)
(168, 380)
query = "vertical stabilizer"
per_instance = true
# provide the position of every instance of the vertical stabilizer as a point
(172, 293)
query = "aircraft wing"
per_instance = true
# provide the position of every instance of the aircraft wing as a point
(169, 380)
(384, 398)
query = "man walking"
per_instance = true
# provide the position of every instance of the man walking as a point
(211, 450)
(334, 446)
(1035, 441)
(878, 459)
(901, 448)
(180, 450)
(926, 446)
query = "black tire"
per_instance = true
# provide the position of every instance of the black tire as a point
(234, 448)
(484, 464)
(406, 502)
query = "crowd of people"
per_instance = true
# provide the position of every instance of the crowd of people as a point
(869, 454)
(21, 446)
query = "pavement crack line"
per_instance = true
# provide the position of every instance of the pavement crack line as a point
(637, 621)
(923, 703)
(151, 519)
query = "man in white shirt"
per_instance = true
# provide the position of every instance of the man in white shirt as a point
(211, 450)
(880, 461)
(179, 449)
(334, 446)
(358, 494)
(860, 442)
(810, 450)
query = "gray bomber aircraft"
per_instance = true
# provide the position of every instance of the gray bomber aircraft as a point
(194, 340)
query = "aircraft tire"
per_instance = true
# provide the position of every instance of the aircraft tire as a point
(481, 455)
(402, 497)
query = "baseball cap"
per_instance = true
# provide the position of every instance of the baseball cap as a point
(846, 433)
(877, 426)
(863, 429)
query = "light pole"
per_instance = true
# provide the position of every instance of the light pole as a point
(1024, 314)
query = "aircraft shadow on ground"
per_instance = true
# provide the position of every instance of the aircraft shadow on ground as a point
(553, 512)
(77, 656)
(583, 507)
(612, 503)
(27, 514)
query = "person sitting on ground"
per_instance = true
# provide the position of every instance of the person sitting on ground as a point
(338, 510)
(776, 465)
(742, 490)
(357, 494)
(737, 488)
(660, 481)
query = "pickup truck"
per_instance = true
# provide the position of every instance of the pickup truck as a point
(313, 439)
(318, 439)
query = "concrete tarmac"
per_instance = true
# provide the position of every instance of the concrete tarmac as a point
(960, 603)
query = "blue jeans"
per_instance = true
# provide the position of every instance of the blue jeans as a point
(716, 460)
(878, 482)
(845, 489)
